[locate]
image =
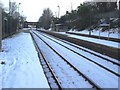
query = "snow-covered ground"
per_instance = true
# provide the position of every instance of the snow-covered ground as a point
(113, 32)
(90, 56)
(99, 41)
(100, 76)
(66, 75)
(22, 68)
(90, 39)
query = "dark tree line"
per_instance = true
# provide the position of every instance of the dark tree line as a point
(81, 18)
(84, 16)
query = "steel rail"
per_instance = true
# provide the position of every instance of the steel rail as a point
(86, 51)
(51, 70)
(85, 57)
(80, 73)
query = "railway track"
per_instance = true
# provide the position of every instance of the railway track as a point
(102, 66)
(47, 69)
(100, 48)
(82, 49)
(91, 82)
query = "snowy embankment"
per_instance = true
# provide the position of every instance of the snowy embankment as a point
(22, 68)
(94, 40)
(98, 41)
(113, 33)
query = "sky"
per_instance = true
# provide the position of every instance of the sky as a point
(33, 9)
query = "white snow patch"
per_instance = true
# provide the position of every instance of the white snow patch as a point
(22, 68)
(113, 32)
(99, 41)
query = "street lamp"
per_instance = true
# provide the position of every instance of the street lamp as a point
(21, 19)
(58, 11)
(19, 15)
(19, 9)
(10, 7)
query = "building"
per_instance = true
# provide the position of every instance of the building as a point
(61, 28)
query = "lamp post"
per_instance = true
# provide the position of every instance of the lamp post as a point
(19, 8)
(19, 15)
(9, 7)
(21, 19)
(58, 11)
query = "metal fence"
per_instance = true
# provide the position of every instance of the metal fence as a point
(0, 28)
(9, 25)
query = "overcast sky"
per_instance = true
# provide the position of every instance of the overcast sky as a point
(33, 9)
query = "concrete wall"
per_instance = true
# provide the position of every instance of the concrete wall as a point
(0, 28)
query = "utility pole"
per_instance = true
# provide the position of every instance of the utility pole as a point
(55, 14)
(21, 19)
(0, 29)
(71, 6)
(19, 15)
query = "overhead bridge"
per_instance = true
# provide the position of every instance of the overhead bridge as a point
(31, 24)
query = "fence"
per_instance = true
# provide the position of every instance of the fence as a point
(0, 28)
(9, 25)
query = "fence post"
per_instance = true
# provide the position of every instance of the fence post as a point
(0, 29)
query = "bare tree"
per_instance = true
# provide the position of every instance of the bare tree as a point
(12, 8)
(1, 5)
(45, 19)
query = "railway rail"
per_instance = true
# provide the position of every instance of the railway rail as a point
(100, 48)
(49, 42)
(91, 82)
(104, 58)
(45, 64)
(87, 58)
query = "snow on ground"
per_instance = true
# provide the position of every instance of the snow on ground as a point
(22, 68)
(102, 77)
(62, 70)
(113, 32)
(99, 41)
(90, 39)
(92, 57)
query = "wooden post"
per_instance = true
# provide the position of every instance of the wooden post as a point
(0, 29)
(109, 31)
